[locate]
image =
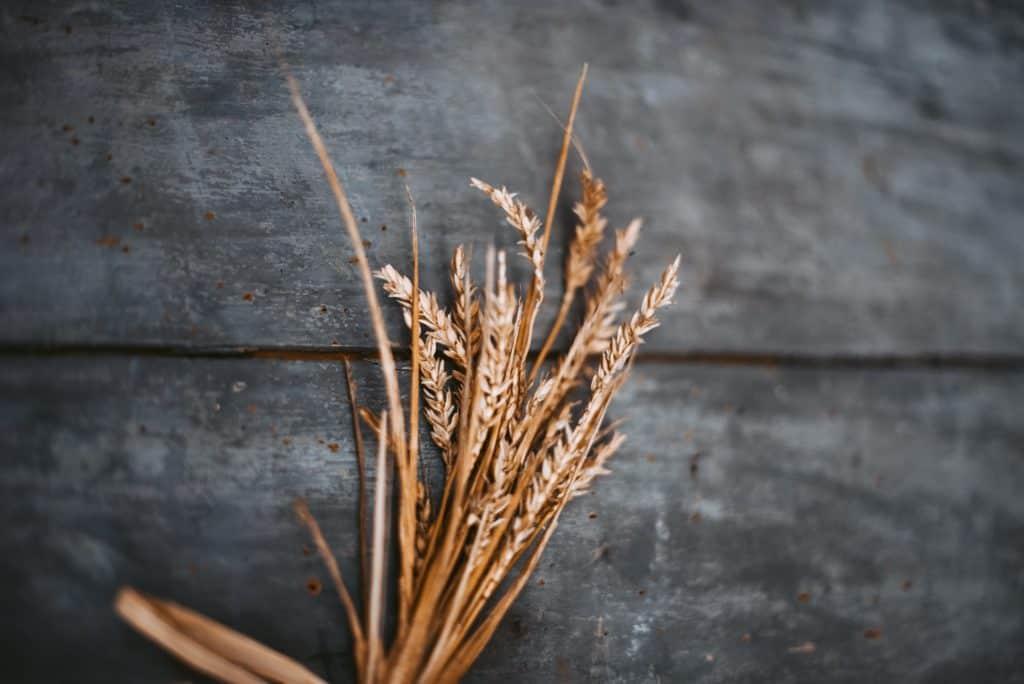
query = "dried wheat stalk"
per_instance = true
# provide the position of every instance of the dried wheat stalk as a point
(516, 448)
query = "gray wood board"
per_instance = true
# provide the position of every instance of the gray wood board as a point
(840, 177)
(890, 499)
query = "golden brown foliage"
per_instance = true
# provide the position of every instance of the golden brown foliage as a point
(515, 449)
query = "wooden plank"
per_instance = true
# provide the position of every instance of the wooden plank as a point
(840, 178)
(790, 505)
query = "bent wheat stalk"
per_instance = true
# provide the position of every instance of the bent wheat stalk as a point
(516, 446)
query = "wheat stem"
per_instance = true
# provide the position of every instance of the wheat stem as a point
(387, 360)
(330, 560)
(357, 433)
(407, 473)
(532, 297)
(380, 520)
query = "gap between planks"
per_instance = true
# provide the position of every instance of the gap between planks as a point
(882, 361)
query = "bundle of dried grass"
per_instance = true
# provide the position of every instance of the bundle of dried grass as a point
(518, 442)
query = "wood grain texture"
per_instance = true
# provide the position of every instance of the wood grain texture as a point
(790, 505)
(842, 178)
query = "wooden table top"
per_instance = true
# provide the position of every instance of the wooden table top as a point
(826, 443)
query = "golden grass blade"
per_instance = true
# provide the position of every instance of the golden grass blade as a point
(563, 154)
(579, 262)
(375, 606)
(444, 547)
(533, 295)
(374, 422)
(357, 433)
(473, 646)
(207, 646)
(331, 561)
(576, 144)
(387, 361)
(563, 310)
(237, 647)
(407, 473)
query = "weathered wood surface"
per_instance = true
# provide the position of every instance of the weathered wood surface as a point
(843, 180)
(841, 177)
(822, 504)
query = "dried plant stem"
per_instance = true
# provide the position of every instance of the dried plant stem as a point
(461, 659)
(563, 154)
(375, 607)
(387, 360)
(556, 326)
(208, 646)
(302, 510)
(407, 472)
(579, 262)
(534, 295)
(357, 433)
